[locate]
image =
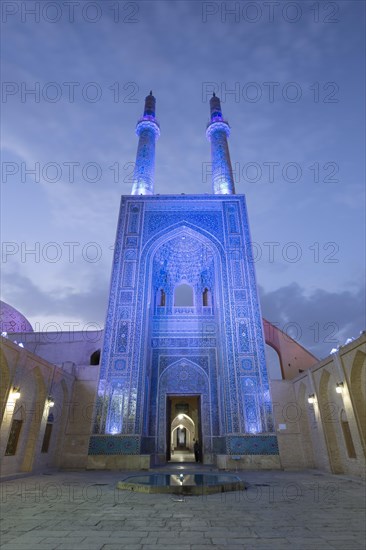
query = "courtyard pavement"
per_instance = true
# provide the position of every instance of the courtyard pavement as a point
(84, 511)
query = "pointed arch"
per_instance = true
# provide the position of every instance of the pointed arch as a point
(160, 297)
(183, 295)
(184, 377)
(306, 439)
(206, 297)
(181, 228)
(95, 357)
(35, 421)
(184, 421)
(147, 296)
(357, 386)
(347, 436)
(329, 415)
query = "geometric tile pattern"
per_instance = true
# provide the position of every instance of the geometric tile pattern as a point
(114, 445)
(252, 445)
(214, 350)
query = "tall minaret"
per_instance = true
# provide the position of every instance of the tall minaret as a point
(217, 132)
(148, 131)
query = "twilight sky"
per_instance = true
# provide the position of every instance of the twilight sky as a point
(290, 76)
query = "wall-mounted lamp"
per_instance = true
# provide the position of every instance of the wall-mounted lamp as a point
(311, 398)
(50, 401)
(15, 392)
(339, 387)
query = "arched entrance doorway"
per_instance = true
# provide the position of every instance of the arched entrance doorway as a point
(184, 389)
(183, 434)
(183, 427)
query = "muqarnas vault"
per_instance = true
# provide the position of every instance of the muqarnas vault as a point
(183, 356)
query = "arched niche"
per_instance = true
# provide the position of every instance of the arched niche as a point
(183, 295)
(160, 298)
(306, 440)
(184, 378)
(206, 297)
(357, 387)
(329, 416)
(95, 357)
(180, 255)
(185, 422)
(35, 419)
(347, 436)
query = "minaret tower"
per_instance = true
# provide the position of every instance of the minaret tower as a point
(148, 131)
(217, 133)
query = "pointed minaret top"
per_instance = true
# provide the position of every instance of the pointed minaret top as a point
(215, 108)
(150, 102)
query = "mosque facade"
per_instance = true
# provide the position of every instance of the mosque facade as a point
(182, 357)
(184, 327)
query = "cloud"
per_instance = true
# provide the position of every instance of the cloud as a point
(319, 321)
(173, 51)
(61, 306)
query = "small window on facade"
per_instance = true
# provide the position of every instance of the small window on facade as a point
(47, 437)
(161, 298)
(95, 357)
(11, 447)
(206, 298)
(183, 296)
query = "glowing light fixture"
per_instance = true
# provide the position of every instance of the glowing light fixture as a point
(50, 401)
(15, 392)
(311, 398)
(181, 416)
(339, 387)
(4, 334)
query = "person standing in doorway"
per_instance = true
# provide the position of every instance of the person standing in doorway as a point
(197, 451)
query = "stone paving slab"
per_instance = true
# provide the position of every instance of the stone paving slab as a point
(279, 510)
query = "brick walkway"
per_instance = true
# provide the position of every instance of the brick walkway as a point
(83, 510)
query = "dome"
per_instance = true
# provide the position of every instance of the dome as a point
(11, 320)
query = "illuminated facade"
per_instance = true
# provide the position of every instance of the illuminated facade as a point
(182, 353)
(183, 335)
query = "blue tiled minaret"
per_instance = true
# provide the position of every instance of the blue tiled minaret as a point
(217, 133)
(148, 131)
